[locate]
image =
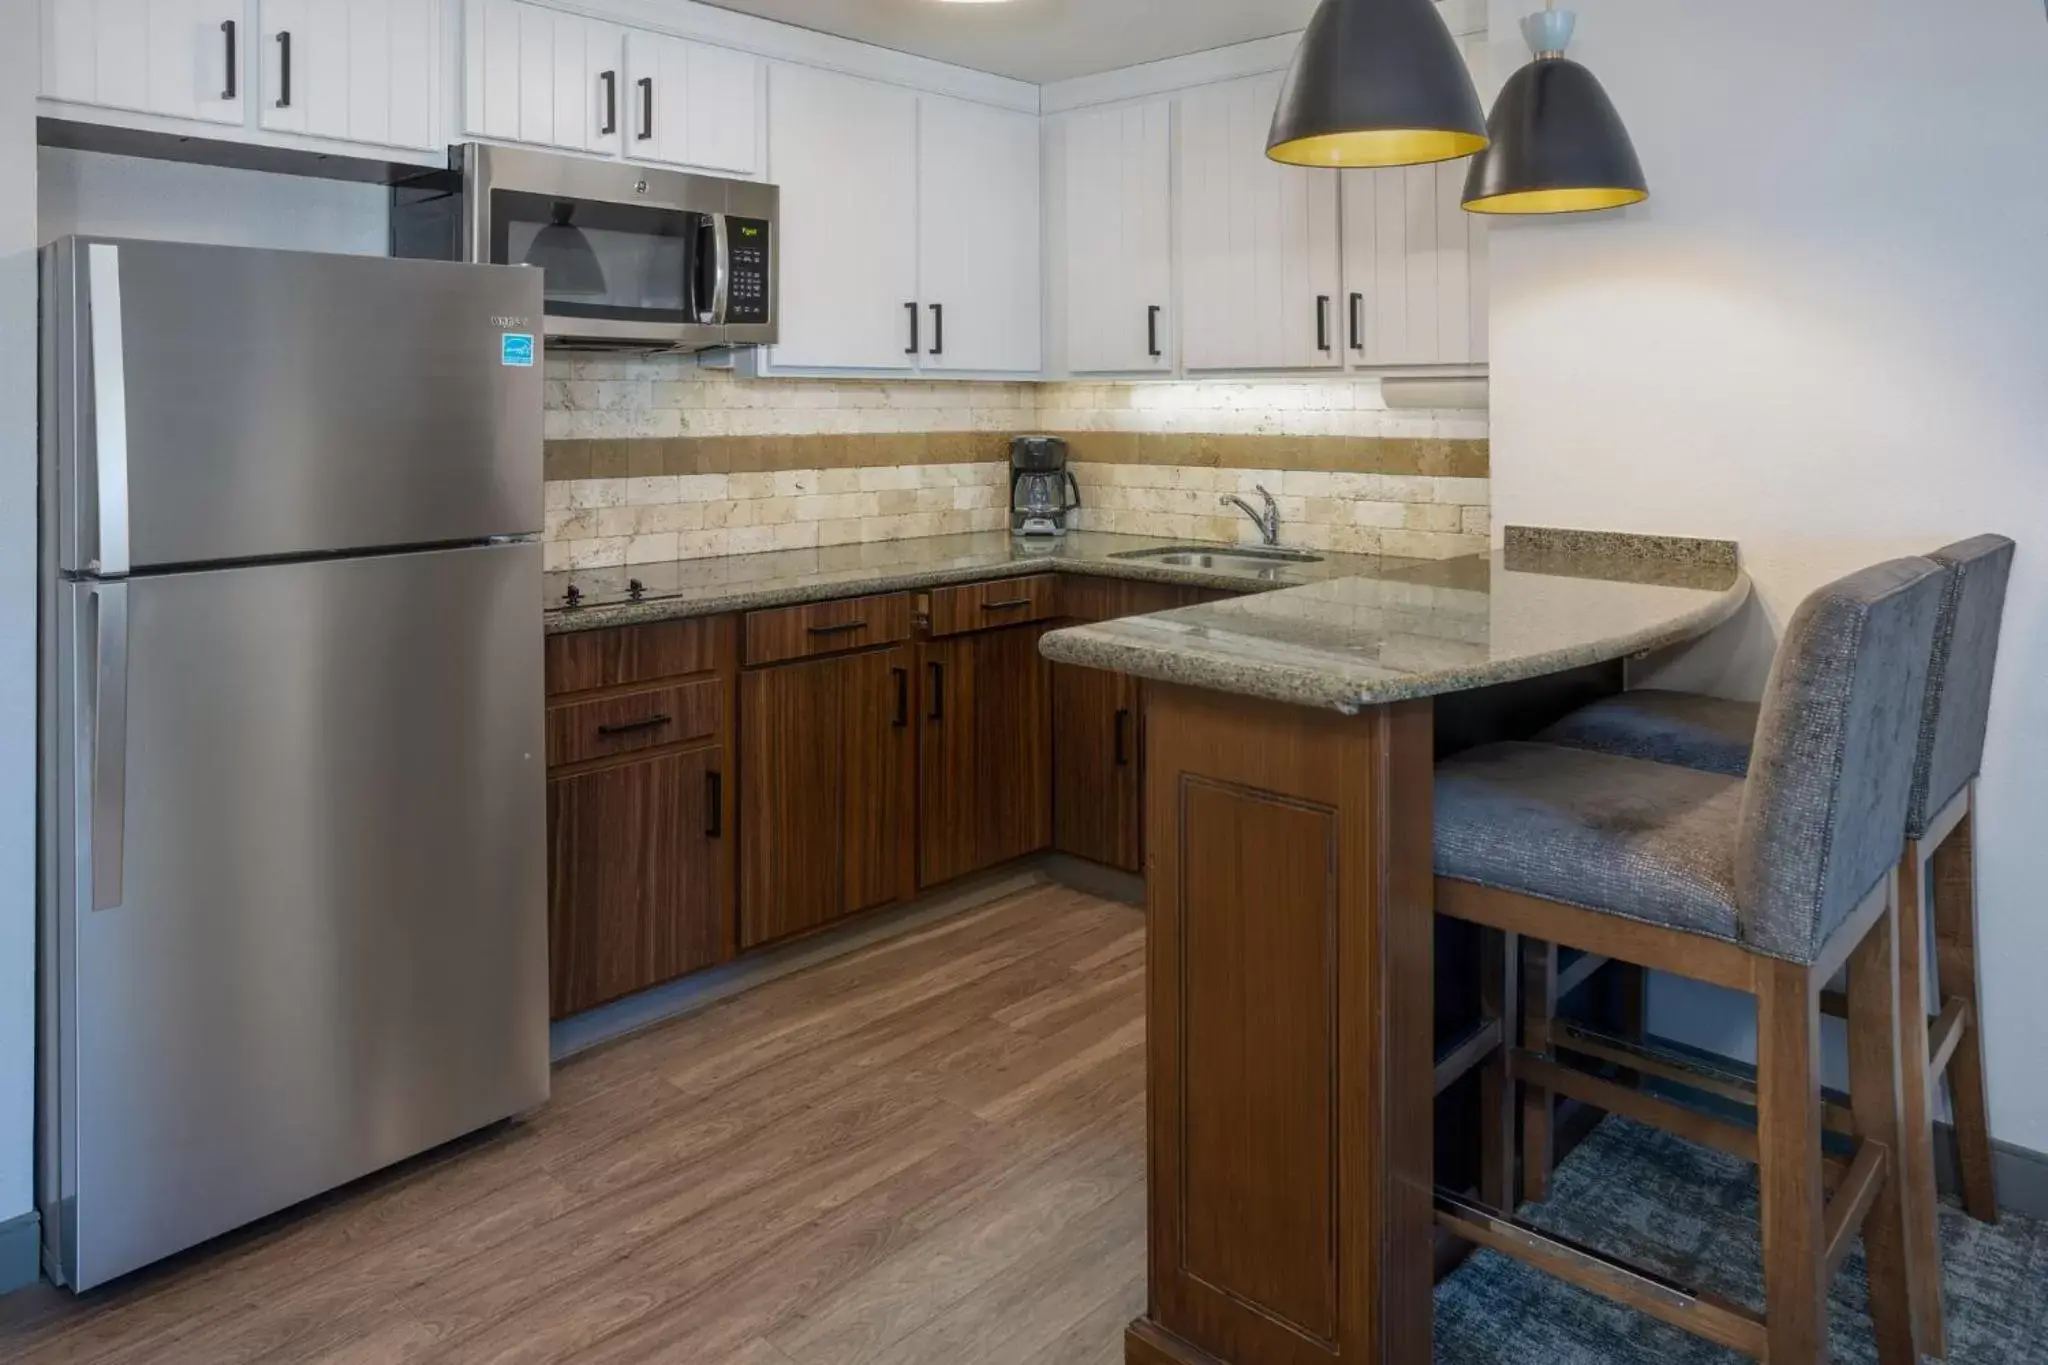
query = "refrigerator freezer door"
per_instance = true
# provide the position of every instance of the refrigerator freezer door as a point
(270, 404)
(326, 948)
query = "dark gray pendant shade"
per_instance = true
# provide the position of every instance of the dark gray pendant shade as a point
(1558, 144)
(1377, 83)
(562, 251)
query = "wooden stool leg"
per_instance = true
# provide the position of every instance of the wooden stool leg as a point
(1539, 1106)
(1913, 1164)
(1875, 1085)
(1499, 998)
(1955, 929)
(1789, 1162)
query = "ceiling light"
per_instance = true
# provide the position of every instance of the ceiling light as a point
(1558, 144)
(1377, 83)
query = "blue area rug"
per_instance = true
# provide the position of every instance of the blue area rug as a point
(1691, 1213)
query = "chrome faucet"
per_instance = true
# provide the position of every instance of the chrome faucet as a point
(1268, 522)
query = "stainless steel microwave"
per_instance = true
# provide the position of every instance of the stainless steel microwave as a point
(636, 259)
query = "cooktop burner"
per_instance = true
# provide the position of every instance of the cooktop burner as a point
(609, 587)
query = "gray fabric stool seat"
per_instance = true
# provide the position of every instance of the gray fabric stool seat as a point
(1648, 841)
(1689, 729)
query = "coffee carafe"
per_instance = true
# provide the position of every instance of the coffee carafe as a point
(1043, 493)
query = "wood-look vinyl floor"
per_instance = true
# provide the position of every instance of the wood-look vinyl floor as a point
(926, 1153)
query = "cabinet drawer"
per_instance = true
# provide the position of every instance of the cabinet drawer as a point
(1109, 599)
(639, 720)
(827, 628)
(588, 660)
(986, 606)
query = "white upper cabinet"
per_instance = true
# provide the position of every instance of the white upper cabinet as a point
(354, 70)
(844, 152)
(692, 104)
(1414, 268)
(1261, 268)
(178, 58)
(1117, 235)
(978, 236)
(540, 76)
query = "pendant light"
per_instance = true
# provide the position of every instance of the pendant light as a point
(1377, 83)
(1558, 145)
(562, 251)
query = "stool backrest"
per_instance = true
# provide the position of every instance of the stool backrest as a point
(1959, 682)
(1824, 808)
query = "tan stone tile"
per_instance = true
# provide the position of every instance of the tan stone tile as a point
(1478, 521)
(610, 459)
(1430, 516)
(565, 460)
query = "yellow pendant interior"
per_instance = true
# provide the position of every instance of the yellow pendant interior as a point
(1581, 199)
(1379, 147)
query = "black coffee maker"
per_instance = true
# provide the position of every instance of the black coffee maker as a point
(1043, 494)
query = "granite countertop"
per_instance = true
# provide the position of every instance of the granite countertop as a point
(706, 587)
(1408, 630)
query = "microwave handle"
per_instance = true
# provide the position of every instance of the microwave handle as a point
(721, 287)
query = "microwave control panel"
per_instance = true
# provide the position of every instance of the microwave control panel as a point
(747, 289)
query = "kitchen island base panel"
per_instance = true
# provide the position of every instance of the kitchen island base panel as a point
(1290, 1032)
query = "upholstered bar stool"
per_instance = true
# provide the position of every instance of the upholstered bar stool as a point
(1714, 735)
(1767, 885)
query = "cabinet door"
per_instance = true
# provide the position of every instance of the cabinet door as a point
(1096, 769)
(691, 104)
(1259, 240)
(985, 752)
(844, 152)
(1414, 268)
(179, 58)
(878, 727)
(946, 760)
(792, 800)
(1116, 180)
(540, 76)
(356, 70)
(636, 877)
(978, 236)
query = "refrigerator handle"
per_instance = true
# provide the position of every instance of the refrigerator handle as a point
(109, 409)
(108, 728)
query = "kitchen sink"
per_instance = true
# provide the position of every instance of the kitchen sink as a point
(1249, 560)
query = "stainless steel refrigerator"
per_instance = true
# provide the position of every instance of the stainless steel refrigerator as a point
(293, 872)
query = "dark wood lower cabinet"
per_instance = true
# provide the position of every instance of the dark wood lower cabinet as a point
(827, 794)
(637, 892)
(984, 752)
(1096, 768)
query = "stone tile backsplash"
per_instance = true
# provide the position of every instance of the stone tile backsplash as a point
(652, 459)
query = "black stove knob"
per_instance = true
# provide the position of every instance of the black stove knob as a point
(573, 597)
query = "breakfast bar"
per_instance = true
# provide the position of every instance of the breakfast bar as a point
(1292, 1038)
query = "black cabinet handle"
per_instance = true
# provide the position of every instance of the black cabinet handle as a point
(1322, 322)
(914, 316)
(902, 697)
(284, 69)
(714, 805)
(227, 28)
(611, 102)
(646, 109)
(633, 727)
(1123, 748)
(1007, 604)
(843, 628)
(938, 711)
(1358, 322)
(938, 329)
(1152, 332)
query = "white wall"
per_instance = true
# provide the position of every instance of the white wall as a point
(1825, 336)
(18, 76)
(120, 196)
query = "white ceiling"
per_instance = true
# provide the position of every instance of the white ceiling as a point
(1041, 40)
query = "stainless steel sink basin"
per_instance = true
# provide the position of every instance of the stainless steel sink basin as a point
(1250, 560)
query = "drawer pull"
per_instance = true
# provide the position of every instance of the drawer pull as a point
(845, 628)
(633, 727)
(1007, 604)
